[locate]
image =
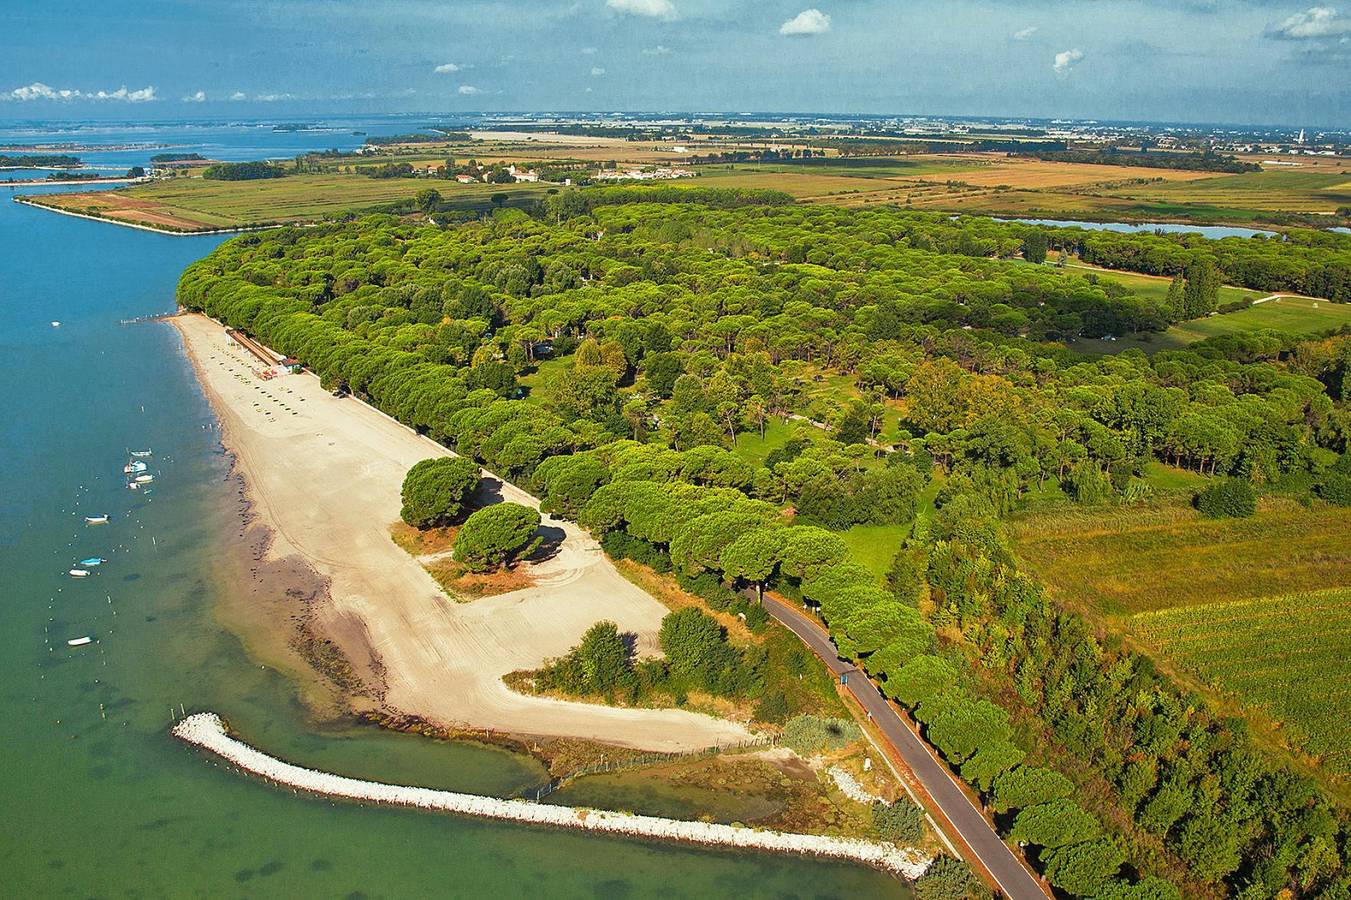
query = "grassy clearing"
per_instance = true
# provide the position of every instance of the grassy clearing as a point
(875, 545)
(1155, 287)
(1130, 560)
(1287, 656)
(1297, 315)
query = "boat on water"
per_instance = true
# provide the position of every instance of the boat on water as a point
(56, 324)
(96, 520)
(80, 641)
(92, 561)
(140, 453)
(144, 479)
(134, 466)
(79, 573)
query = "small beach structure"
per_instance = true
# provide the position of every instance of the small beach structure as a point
(96, 520)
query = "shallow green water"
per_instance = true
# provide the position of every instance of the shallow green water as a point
(97, 799)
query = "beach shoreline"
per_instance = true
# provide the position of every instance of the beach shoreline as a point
(320, 481)
(29, 201)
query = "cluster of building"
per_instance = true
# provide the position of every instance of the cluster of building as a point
(661, 173)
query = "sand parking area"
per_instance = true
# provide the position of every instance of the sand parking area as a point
(324, 474)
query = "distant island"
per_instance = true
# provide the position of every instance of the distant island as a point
(41, 161)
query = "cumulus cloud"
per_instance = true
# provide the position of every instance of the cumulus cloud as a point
(39, 91)
(809, 21)
(272, 98)
(658, 50)
(1066, 60)
(597, 71)
(239, 95)
(1315, 23)
(445, 68)
(199, 97)
(652, 9)
(1025, 33)
(468, 90)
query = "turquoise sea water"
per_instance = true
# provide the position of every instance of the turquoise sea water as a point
(97, 798)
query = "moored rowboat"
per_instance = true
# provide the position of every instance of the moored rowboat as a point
(80, 641)
(93, 561)
(78, 573)
(96, 520)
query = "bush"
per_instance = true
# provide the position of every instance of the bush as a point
(435, 490)
(1055, 824)
(1336, 489)
(496, 535)
(901, 822)
(1028, 786)
(773, 708)
(1227, 498)
(948, 879)
(808, 734)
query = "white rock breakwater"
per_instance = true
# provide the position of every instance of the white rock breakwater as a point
(206, 730)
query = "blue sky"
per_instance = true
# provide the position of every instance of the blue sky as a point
(1244, 61)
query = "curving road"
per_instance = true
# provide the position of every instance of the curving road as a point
(978, 835)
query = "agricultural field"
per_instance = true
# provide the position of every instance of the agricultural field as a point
(1288, 656)
(195, 203)
(1312, 192)
(1257, 608)
(1126, 560)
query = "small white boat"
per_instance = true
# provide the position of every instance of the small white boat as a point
(78, 573)
(56, 324)
(79, 641)
(135, 466)
(141, 453)
(96, 520)
(144, 479)
(91, 562)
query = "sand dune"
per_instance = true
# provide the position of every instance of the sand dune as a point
(324, 474)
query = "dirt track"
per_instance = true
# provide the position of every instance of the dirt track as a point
(325, 474)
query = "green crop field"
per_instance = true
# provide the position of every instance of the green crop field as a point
(1289, 656)
(1130, 560)
(1289, 191)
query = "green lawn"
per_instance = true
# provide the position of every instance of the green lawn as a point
(875, 545)
(1297, 315)
(1156, 287)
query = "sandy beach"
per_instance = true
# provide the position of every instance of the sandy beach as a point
(323, 474)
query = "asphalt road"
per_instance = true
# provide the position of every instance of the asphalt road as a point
(955, 805)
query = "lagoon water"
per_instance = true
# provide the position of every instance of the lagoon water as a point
(1210, 231)
(98, 799)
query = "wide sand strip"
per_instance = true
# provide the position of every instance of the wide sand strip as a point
(325, 473)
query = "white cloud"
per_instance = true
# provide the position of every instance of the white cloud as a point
(468, 90)
(809, 21)
(658, 50)
(271, 98)
(1314, 23)
(239, 95)
(1025, 33)
(588, 51)
(199, 97)
(39, 91)
(444, 68)
(1066, 60)
(597, 71)
(652, 9)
